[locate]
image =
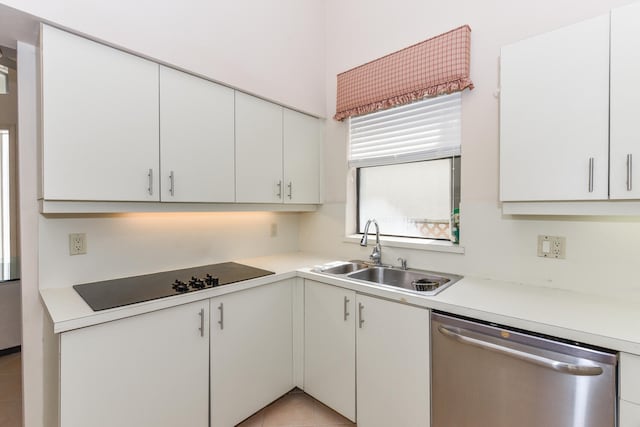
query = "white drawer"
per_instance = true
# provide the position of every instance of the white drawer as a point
(630, 377)
(629, 414)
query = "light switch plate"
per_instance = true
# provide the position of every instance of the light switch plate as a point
(552, 246)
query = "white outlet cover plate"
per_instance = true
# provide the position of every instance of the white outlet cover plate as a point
(77, 243)
(552, 246)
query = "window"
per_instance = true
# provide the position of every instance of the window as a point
(8, 213)
(407, 162)
(4, 80)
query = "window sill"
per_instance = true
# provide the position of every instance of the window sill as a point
(403, 242)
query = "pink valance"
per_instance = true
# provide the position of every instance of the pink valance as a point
(435, 66)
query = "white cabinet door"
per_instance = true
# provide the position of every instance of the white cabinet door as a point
(147, 370)
(554, 115)
(392, 362)
(630, 377)
(258, 150)
(625, 132)
(301, 150)
(629, 414)
(330, 346)
(196, 139)
(100, 121)
(251, 351)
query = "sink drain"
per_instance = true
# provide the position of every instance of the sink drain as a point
(425, 285)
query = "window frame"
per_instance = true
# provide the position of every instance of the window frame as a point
(454, 199)
(353, 232)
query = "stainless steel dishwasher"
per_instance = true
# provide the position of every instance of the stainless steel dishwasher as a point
(484, 375)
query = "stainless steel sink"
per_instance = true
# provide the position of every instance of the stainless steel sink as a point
(418, 281)
(344, 268)
(414, 280)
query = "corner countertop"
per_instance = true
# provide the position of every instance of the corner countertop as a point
(591, 319)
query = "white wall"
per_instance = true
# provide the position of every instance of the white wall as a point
(32, 313)
(274, 49)
(602, 253)
(131, 244)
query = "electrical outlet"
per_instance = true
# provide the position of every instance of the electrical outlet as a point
(77, 243)
(274, 229)
(552, 247)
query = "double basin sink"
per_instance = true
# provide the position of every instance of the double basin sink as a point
(418, 281)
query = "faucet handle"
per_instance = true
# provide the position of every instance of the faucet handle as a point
(403, 263)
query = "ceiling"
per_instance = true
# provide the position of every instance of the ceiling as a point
(16, 26)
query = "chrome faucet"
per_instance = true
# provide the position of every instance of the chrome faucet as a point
(377, 249)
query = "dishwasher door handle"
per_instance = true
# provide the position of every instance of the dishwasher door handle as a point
(556, 365)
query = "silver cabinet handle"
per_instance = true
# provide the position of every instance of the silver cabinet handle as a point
(545, 362)
(171, 183)
(201, 328)
(360, 308)
(279, 194)
(150, 176)
(346, 308)
(290, 190)
(221, 321)
(629, 172)
(591, 161)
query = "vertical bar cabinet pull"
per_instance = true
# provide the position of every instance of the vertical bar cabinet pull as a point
(150, 187)
(590, 174)
(629, 172)
(201, 328)
(221, 321)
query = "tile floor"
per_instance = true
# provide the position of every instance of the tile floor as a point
(11, 390)
(297, 409)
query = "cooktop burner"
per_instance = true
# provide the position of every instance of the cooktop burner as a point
(130, 290)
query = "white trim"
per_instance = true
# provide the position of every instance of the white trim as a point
(589, 208)
(409, 243)
(65, 207)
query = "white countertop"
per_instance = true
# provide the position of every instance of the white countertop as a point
(595, 320)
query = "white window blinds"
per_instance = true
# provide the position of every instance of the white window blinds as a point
(422, 130)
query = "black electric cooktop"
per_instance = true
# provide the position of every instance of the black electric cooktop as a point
(130, 290)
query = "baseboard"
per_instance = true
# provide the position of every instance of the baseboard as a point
(10, 350)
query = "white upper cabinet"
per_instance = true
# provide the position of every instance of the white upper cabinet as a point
(100, 121)
(302, 137)
(277, 153)
(625, 132)
(258, 150)
(554, 115)
(196, 139)
(119, 128)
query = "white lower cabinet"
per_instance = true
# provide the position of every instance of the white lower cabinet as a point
(393, 387)
(629, 371)
(629, 414)
(146, 370)
(251, 351)
(330, 346)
